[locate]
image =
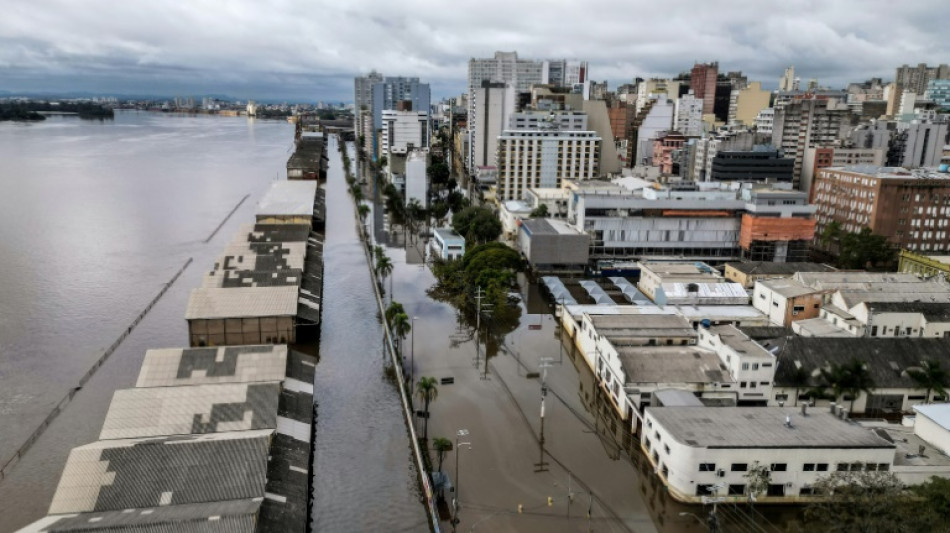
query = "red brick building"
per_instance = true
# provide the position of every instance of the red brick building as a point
(910, 208)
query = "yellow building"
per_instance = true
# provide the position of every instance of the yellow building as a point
(927, 265)
(750, 101)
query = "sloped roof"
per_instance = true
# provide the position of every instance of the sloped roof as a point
(245, 302)
(151, 472)
(234, 516)
(226, 364)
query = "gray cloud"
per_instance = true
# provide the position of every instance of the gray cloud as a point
(306, 50)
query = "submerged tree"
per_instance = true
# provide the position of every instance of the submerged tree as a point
(427, 391)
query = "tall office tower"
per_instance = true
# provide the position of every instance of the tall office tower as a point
(787, 82)
(702, 81)
(404, 130)
(915, 79)
(388, 93)
(564, 73)
(363, 101)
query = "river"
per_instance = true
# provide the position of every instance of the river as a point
(95, 217)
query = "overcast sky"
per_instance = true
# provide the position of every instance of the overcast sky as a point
(306, 50)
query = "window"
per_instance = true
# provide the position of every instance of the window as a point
(778, 467)
(842, 467)
(821, 467)
(739, 467)
(745, 366)
(707, 467)
(736, 490)
(703, 490)
(755, 366)
(883, 467)
(808, 467)
(666, 449)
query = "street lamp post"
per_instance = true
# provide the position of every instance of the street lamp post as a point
(455, 501)
(545, 363)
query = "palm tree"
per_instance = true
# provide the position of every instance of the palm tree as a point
(427, 391)
(378, 252)
(394, 309)
(384, 267)
(850, 378)
(931, 377)
(363, 211)
(441, 445)
(400, 327)
(799, 379)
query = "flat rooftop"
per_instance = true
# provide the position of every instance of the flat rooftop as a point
(620, 328)
(818, 327)
(672, 364)
(762, 427)
(448, 235)
(734, 292)
(787, 287)
(734, 338)
(288, 198)
(548, 226)
(665, 269)
(768, 268)
(243, 302)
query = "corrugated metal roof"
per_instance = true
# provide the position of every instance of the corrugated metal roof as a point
(148, 412)
(206, 303)
(289, 198)
(938, 412)
(198, 366)
(155, 472)
(234, 516)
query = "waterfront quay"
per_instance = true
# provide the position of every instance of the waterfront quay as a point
(218, 436)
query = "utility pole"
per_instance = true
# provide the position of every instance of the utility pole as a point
(455, 501)
(542, 466)
(479, 296)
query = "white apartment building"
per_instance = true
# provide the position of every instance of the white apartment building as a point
(659, 119)
(403, 131)
(688, 115)
(542, 158)
(562, 120)
(708, 451)
(764, 121)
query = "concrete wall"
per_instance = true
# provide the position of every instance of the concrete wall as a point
(932, 432)
(548, 250)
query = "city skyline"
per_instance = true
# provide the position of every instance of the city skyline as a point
(308, 52)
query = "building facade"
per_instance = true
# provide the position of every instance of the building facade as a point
(808, 121)
(702, 81)
(910, 208)
(915, 79)
(403, 131)
(543, 158)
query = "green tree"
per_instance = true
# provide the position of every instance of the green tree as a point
(862, 501)
(427, 391)
(850, 379)
(476, 224)
(864, 250)
(757, 477)
(400, 327)
(363, 211)
(540, 212)
(382, 161)
(799, 379)
(384, 269)
(932, 377)
(439, 210)
(393, 309)
(441, 445)
(438, 173)
(935, 495)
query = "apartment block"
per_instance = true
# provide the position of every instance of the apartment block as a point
(542, 158)
(808, 120)
(909, 207)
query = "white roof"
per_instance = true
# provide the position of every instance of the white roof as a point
(705, 290)
(288, 198)
(938, 412)
(243, 302)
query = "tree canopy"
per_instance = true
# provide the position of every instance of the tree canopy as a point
(477, 225)
(540, 212)
(863, 249)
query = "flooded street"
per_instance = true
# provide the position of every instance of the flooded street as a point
(364, 479)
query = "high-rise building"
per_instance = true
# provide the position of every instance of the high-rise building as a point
(787, 82)
(915, 79)
(493, 104)
(688, 115)
(563, 73)
(544, 157)
(808, 120)
(907, 207)
(749, 102)
(363, 101)
(388, 94)
(939, 92)
(702, 81)
(404, 130)
(817, 158)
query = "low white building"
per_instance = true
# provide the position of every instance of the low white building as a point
(447, 245)
(933, 425)
(654, 274)
(511, 213)
(751, 366)
(695, 450)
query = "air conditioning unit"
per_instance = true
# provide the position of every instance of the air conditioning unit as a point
(721, 473)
